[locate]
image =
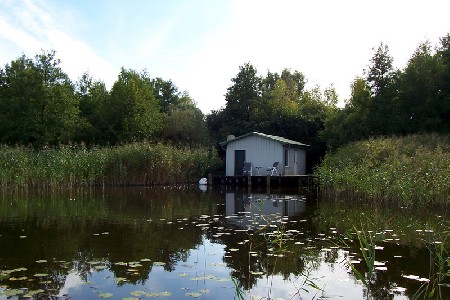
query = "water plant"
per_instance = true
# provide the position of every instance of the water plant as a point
(77, 166)
(439, 266)
(367, 248)
(408, 171)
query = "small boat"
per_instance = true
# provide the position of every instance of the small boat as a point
(203, 181)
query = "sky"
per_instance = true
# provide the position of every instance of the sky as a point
(200, 44)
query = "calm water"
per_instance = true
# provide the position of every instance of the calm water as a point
(184, 243)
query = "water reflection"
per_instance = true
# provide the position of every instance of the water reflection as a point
(250, 206)
(183, 242)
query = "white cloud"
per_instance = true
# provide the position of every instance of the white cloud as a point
(32, 28)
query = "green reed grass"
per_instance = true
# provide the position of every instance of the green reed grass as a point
(75, 166)
(412, 170)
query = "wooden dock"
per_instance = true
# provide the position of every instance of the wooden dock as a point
(300, 182)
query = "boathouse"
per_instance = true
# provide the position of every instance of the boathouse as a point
(260, 151)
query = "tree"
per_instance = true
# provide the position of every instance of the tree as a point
(94, 99)
(186, 127)
(350, 123)
(419, 94)
(37, 102)
(382, 79)
(133, 113)
(241, 98)
(443, 56)
(166, 93)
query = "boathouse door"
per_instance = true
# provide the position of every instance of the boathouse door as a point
(295, 169)
(239, 158)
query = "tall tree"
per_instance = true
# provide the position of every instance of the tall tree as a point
(166, 93)
(350, 123)
(419, 93)
(37, 102)
(133, 112)
(241, 98)
(382, 79)
(443, 54)
(94, 100)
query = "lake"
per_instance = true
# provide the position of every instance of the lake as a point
(187, 243)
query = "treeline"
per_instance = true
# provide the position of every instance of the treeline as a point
(384, 102)
(40, 106)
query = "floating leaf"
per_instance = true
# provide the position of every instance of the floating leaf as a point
(138, 293)
(135, 265)
(19, 269)
(41, 261)
(398, 289)
(195, 295)
(13, 292)
(222, 279)
(132, 270)
(105, 295)
(256, 273)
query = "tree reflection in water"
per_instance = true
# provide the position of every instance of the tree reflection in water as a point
(183, 240)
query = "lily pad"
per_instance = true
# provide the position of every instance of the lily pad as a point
(138, 293)
(195, 295)
(120, 280)
(41, 261)
(40, 275)
(13, 292)
(146, 259)
(105, 295)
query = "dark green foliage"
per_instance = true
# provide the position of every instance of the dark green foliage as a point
(37, 102)
(396, 102)
(39, 106)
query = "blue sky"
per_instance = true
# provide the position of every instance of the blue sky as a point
(200, 44)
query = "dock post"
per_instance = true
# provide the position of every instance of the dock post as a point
(249, 182)
(268, 182)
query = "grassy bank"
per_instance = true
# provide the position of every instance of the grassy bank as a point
(66, 167)
(412, 170)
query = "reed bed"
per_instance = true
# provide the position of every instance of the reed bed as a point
(412, 170)
(76, 166)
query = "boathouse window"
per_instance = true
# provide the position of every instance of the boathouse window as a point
(286, 157)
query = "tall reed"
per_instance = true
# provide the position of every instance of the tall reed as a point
(412, 170)
(75, 166)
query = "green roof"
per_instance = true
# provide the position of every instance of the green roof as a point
(279, 139)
